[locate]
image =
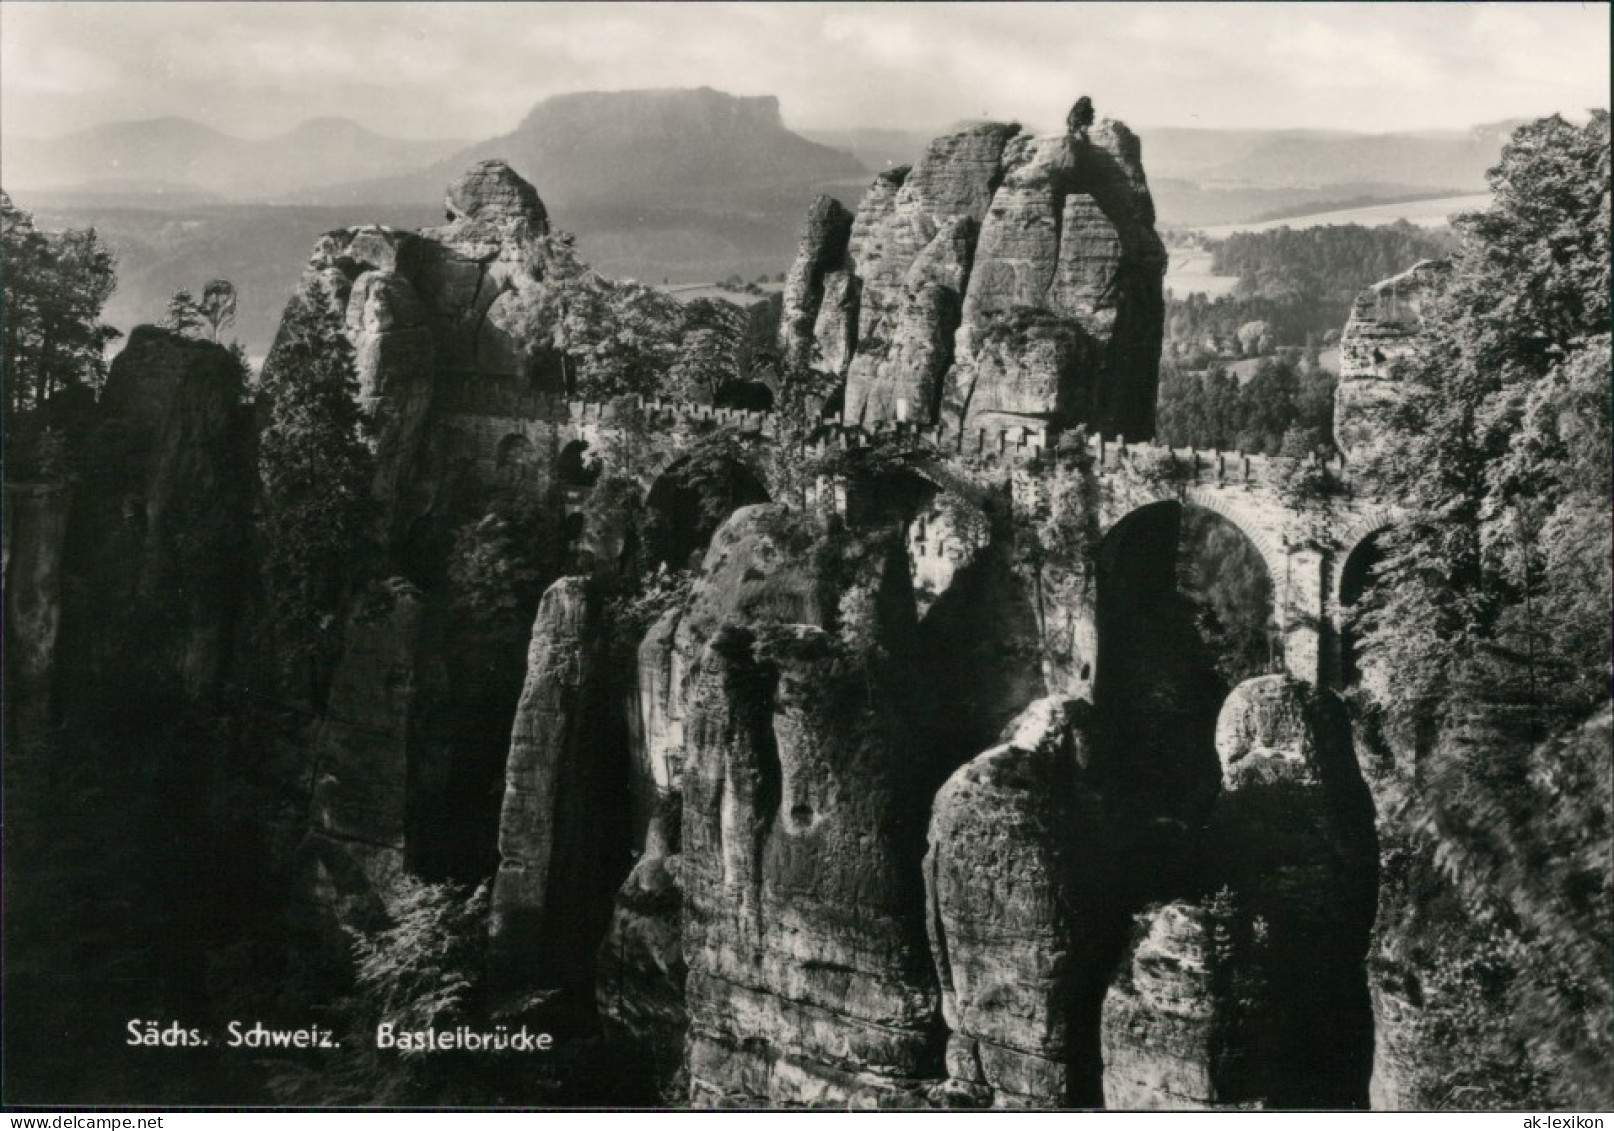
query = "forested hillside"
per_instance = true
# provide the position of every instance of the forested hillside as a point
(1485, 637)
(1299, 281)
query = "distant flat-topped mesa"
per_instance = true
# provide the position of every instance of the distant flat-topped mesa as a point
(1383, 328)
(1003, 278)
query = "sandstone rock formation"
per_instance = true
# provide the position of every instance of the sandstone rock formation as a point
(35, 530)
(1255, 994)
(1003, 277)
(822, 248)
(801, 825)
(1382, 330)
(1164, 1020)
(160, 521)
(641, 969)
(1013, 893)
(548, 896)
(362, 759)
(1292, 837)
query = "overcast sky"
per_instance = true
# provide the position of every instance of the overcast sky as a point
(460, 70)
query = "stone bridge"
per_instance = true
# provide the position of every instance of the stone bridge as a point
(1310, 539)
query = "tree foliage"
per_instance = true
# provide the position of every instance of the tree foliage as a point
(1498, 587)
(1488, 627)
(55, 284)
(1285, 405)
(617, 338)
(314, 471)
(1298, 282)
(215, 309)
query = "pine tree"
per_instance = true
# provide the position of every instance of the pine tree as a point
(50, 318)
(316, 514)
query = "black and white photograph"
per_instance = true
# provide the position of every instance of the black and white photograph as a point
(836, 556)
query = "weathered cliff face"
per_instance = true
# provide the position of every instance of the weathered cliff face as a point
(800, 826)
(361, 756)
(35, 530)
(422, 307)
(1165, 1017)
(821, 250)
(160, 521)
(1002, 277)
(1292, 837)
(1015, 897)
(553, 888)
(1383, 329)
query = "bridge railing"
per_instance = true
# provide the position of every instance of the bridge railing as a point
(1016, 443)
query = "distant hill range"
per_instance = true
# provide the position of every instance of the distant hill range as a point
(691, 148)
(677, 185)
(181, 160)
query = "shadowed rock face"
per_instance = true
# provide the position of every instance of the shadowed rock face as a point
(1293, 839)
(1003, 276)
(160, 521)
(800, 824)
(1257, 995)
(1163, 1017)
(1010, 886)
(35, 529)
(361, 761)
(549, 897)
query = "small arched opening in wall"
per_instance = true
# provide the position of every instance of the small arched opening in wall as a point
(513, 458)
(1357, 573)
(752, 396)
(689, 501)
(1185, 612)
(574, 469)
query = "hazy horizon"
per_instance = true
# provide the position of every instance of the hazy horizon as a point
(472, 71)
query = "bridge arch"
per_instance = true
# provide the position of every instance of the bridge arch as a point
(1355, 570)
(1186, 605)
(1363, 527)
(573, 468)
(514, 459)
(690, 499)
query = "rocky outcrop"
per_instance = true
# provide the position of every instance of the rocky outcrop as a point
(1292, 839)
(1255, 994)
(822, 247)
(549, 894)
(363, 748)
(1164, 1018)
(491, 191)
(801, 825)
(1012, 890)
(160, 521)
(35, 530)
(1382, 330)
(905, 383)
(641, 969)
(835, 331)
(1004, 276)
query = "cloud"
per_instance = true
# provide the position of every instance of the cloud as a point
(473, 70)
